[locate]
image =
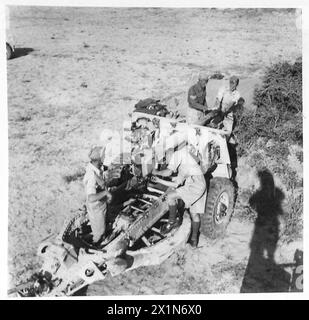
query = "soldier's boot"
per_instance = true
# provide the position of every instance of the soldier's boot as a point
(173, 222)
(194, 233)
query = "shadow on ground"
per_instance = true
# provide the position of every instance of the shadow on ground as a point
(262, 273)
(21, 52)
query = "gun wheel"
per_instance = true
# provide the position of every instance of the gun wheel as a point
(219, 207)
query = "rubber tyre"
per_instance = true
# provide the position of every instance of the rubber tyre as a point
(209, 225)
(9, 52)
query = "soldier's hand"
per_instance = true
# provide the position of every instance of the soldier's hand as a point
(154, 179)
(108, 197)
(121, 223)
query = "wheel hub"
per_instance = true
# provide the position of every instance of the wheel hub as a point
(222, 206)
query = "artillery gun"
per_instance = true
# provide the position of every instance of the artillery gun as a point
(71, 261)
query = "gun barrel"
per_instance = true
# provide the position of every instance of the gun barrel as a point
(20, 287)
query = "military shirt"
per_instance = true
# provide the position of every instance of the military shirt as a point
(227, 98)
(197, 97)
(93, 180)
(182, 162)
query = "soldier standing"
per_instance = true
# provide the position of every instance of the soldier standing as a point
(97, 194)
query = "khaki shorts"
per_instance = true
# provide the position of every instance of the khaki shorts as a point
(195, 117)
(228, 125)
(193, 193)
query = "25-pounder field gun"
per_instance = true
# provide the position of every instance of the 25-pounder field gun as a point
(70, 261)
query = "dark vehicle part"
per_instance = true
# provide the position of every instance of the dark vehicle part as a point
(9, 52)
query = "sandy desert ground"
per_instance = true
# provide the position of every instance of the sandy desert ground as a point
(80, 70)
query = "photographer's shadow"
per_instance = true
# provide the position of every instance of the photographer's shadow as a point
(262, 273)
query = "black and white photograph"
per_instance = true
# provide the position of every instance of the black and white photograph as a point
(153, 150)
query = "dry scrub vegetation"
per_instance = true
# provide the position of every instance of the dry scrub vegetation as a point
(271, 137)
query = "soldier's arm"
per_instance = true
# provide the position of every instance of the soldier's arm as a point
(91, 193)
(237, 106)
(162, 173)
(192, 101)
(171, 184)
(99, 196)
(217, 104)
(219, 98)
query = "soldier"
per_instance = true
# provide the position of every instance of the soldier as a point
(96, 193)
(229, 103)
(189, 185)
(197, 101)
(227, 100)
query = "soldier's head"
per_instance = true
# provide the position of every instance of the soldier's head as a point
(107, 135)
(203, 78)
(96, 156)
(234, 81)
